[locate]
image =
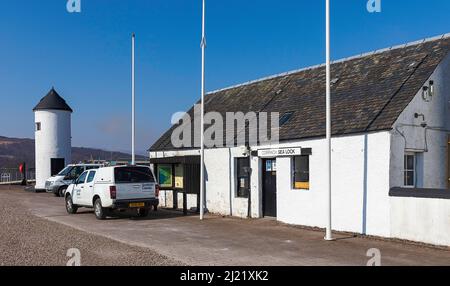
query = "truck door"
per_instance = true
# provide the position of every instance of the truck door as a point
(88, 189)
(78, 189)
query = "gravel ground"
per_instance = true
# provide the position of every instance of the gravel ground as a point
(28, 240)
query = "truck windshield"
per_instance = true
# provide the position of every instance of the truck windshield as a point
(65, 171)
(125, 175)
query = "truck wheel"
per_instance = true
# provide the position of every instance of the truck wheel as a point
(143, 212)
(100, 212)
(70, 207)
(62, 191)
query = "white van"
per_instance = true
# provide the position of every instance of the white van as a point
(58, 184)
(114, 188)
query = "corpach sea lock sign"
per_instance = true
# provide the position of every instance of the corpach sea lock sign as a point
(281, 152)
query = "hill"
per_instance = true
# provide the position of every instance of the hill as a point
(14, 151)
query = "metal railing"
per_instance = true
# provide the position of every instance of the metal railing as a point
(8, 175)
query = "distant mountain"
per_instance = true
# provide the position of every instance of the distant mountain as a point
(14, 151)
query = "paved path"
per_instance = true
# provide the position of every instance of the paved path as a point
(230, 241)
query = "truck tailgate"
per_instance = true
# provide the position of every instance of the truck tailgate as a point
(135, 191)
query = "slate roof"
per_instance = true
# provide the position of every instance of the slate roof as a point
(52, 101)
(369, 92)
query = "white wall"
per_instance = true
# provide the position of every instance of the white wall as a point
(166, 200)
(434, 146)
(360, 184)
(360, 180)
(52, 141)
(421, 219)
(220, 182)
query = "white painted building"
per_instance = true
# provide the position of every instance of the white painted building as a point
(390, 148)
(52, 137)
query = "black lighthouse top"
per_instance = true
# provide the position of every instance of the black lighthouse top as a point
(52, 101)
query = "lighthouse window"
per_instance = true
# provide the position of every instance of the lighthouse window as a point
(38, 126)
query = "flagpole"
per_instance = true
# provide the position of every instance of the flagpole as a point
(133, 103)
(202, 122)
(328, 235)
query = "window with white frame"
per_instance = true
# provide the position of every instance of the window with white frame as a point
(410, 169)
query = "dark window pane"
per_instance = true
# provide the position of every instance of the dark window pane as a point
(409, 178)
(243, 177)
(75, 172)
(409, 162)
(82, 178)
(65, 171)
(123, 175)
(91, 177)
(301, 172)
(285, 118)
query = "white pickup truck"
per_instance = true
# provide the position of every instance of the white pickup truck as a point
(114, 188)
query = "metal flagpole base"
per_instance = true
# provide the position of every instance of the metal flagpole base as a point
(329, 236)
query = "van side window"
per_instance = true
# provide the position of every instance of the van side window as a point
(90, 177)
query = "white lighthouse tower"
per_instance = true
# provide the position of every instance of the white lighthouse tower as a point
(53, 136)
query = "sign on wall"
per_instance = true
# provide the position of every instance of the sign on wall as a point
(179, 173)
(281, 152)
(165, 176)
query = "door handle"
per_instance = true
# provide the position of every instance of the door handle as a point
(82, 187)
(90, 186)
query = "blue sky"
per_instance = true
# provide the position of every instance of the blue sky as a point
(86, 56)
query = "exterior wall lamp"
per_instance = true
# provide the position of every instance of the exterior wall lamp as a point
(246, 151)
(424, 123)
(428, 92)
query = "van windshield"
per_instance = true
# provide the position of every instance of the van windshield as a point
(65, 171)
(125, 175)
(72, 172)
